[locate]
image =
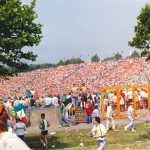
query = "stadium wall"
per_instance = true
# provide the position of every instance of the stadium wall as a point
(52, 115)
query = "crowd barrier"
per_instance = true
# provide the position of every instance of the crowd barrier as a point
(138, 105)
(51, 114)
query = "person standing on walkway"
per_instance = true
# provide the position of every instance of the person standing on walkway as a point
(74, 90)
(100, 133)
(20, 127)
(43, 126)
(95, 113)
(89, 109)
(130, 117)
(13, 113)
(62, 114)
(110, 117)
(148, 115)
(84, 94)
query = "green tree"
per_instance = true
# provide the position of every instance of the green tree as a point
(108, 58)
(142, 31)
(70, 61)
(135, 54)
(79, 61)
(118, 56)
(95, 58)
(17, 30)
(60, 63)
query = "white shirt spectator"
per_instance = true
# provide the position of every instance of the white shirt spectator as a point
(20, 127)
(130, 95)
(109, 110)
(130, 110)
(55, 101)
(95, 113)
(48, 101)
(99, 130)
(143, 94)
(114, 99)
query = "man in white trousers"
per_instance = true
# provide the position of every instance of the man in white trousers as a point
(110, 117)
(130, 117)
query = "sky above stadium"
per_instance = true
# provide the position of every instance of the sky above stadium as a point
(78, 27)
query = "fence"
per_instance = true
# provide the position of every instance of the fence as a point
(140, 106)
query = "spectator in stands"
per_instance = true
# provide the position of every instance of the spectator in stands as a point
(105, 99)
(74, 91)
(37, 103)
(16, 101)
(93, 99)
(32, 102)
(27, 101)
(23, 102)
(129, 97)
(84, 94)
(114, 99)
(95, 113)
(79, 100)
(55, 100)
(13, 113)
(42, 103)
(48, 101)
(143, 96)
(64, 97)
(69, 95)
(89, 109)
(8, 104)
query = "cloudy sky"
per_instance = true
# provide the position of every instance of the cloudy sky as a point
(79, 27)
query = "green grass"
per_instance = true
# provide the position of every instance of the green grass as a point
(115, 140)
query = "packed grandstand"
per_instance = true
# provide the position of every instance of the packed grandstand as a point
(95, 75)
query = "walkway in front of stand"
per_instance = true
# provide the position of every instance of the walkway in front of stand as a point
(55, 128)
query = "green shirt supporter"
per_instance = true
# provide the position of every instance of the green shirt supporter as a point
(62, 107)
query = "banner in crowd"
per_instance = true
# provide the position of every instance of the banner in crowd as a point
(68, 103)
(20, 110)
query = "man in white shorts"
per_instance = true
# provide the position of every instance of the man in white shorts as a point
(43, 126)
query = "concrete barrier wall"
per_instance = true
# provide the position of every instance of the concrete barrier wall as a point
(51, 115)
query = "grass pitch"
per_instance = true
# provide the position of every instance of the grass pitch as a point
(70, 140)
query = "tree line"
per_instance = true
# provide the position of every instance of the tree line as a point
(78, 60)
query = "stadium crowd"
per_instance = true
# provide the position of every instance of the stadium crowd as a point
(95, 75)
